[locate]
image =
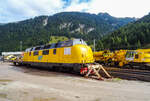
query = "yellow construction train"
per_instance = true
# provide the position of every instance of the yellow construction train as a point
(70, 54)
(139, 57)
(75, 54)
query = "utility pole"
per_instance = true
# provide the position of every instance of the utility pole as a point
(50, 38)
(20, 45)
(94, 45)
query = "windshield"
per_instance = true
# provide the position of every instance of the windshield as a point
(79, 41)
(130, 54)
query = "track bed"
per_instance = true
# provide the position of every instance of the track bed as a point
(130, 74)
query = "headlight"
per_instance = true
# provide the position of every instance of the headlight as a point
(83, 49)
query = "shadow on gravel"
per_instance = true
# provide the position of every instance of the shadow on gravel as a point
(43, 71)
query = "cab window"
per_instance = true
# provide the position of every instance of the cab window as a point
(67, 43)
(79, 41)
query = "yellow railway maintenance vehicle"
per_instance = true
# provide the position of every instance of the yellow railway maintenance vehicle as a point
(119, 58)
(139, 58)
(98, 55)
(103, 57)
(72, 55)
(136, 59)
(116, 58)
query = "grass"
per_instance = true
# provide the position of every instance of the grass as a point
(5, 80)
(55, 39)
(3, 95)
(114, 80)
(44, 99)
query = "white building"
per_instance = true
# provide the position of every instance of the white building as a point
(11, 53)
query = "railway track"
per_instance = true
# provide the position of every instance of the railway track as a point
(129, 74)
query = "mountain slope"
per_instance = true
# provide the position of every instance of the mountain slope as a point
(116, 22)
(37, 31)
(132, 36)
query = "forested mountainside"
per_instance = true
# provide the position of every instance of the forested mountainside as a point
(131, 36)
(37, 31)
(116, 22)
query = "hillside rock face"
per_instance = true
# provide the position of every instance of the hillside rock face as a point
(38, 30)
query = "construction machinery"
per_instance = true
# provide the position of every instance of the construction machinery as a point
(132, 58)
(116, 58)
(119, 58)
(139, 57)
(103, 57)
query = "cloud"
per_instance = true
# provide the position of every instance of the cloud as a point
(120, 8)
(77, 5)
(16, 10)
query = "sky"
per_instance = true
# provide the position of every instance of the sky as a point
(17, 10)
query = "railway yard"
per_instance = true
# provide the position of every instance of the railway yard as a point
(22, 83)
(130, 74)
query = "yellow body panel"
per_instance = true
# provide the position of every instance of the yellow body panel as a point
(74, 54)
(111, 57)
(119, 56)
(103, 55)
(122, 57)
(142, 56)
(98, 55)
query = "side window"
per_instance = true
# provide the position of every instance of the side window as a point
(132, 55)
(54, 51)
(45, 52)
(36, 53)
(127, 54)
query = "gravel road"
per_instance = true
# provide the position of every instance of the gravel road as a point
(31, 84)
